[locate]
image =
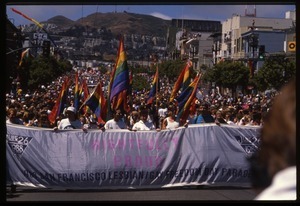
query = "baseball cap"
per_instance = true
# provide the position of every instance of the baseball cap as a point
(71, 109)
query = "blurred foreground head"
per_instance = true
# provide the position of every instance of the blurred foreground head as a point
(278, 136)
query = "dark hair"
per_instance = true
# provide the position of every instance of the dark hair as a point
(278, 135)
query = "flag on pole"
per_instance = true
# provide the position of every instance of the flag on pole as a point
(183, 81)
(34, 21)
(30, 19)
(85, 90)
(60, 102)
(154, 89)
(97, 103)
(76, 92)
(24, 54)
(119, 84)
(185, 100)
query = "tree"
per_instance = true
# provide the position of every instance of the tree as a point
(228, 74)
(140, 83)
(44, 70)
(276, 71)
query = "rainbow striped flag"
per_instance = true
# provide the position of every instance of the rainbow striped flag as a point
(97, 103)
(185, 100)
(76, 92)
(120, 82)
(84, 89)
(154, 88)
(183, 81)
(60, 102)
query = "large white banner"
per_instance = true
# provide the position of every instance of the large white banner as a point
(120, 159)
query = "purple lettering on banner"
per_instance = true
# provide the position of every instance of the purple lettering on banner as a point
(117, 161)
(128, 162)
(96, 145)
(131, 140)
(139, 143)
(175, 141)
(150, 145)
(121, 143)
(111, 144)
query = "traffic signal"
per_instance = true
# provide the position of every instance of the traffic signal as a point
(46, 48)
(261, 52)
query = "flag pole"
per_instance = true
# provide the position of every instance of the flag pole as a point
(156, 92)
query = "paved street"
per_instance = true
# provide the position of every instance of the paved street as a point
(199, 193)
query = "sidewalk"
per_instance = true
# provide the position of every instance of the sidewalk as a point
(170, 194)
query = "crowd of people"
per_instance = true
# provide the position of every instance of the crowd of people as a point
(31, 108)
(273, 165)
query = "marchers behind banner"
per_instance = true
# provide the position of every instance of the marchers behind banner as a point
(120, 159)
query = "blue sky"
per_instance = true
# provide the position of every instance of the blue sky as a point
(197, 12)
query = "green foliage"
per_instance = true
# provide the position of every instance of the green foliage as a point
(102, 69)
(139, 83)
(172, 69)
(228, 74)
(275, 72)
(44, 70)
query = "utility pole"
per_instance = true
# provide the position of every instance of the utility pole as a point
(253, 43)
(199, 38)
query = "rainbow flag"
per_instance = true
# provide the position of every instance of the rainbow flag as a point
(185, 100)
(154, 88)
(84, 92)
(97, 103)
(24, 55)
(119, 84)
(183, 81)
(76, 92)
(60, 102)
(34, 21)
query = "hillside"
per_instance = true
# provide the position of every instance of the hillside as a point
(129, 23)
(61, 21)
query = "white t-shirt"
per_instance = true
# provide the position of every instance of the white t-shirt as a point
(171, 124)
(162, 112)
(66, 124)
(140, 125)
(112, 124)
(283, 186)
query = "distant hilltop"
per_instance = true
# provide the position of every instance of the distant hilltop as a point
(117, 23)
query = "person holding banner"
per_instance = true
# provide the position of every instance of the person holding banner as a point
(12, 117)
(277, 152)
(170, 121)
(117, 122)
(144, 123)
(71, 121)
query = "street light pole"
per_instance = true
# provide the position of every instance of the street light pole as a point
(198, 66)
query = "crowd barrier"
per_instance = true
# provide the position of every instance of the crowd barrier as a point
(203, 154)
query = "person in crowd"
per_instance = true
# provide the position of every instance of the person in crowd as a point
(228, 117)
(144, 123)
(117, 122)
(198, 119)
(43, 120)
(162, 112)
(206, 114)
(71, 121)
(133, 118)
(170, 121)
(219, 119)
(276, 157)
(84, 121)
(13, 118)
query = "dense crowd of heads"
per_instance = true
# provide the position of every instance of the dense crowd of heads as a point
(32, 108)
